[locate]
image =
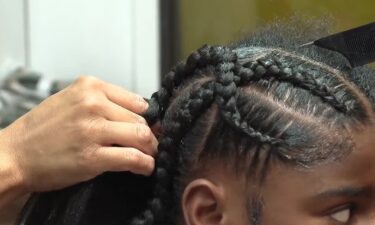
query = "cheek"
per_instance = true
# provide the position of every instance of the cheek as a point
(280, 207)
(237, 202)
(290, 217)
(283, 195)
(237, 209)
(283, 206)
(237, 216)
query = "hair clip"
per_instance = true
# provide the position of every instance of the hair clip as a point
(356, 45)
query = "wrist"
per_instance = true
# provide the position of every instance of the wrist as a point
(11, 185)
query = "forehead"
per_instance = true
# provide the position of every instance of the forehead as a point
(356, 169)
(360, 162)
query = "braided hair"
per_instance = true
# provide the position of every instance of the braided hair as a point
(246, 105)
(223, 90)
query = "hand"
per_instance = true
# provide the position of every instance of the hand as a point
(86, 129)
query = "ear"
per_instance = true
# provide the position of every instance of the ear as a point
(202, 203)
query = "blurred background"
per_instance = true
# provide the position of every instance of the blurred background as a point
(46, 44)
(221, 21)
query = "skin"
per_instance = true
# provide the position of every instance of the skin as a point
(335, 193)
(87, 129)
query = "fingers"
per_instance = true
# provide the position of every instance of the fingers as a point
(124, 159)
(116, 94)
(114, 112)
(121, 126)
(117, 103)
(134, 135)
(125, 99)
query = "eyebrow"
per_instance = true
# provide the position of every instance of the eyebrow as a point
(350, 192)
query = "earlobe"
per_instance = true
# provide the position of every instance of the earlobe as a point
(202, 203)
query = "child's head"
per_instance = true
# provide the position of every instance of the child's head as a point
(257, 131)
(261, 132)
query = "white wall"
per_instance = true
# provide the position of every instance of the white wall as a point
(12, 43)
(115, 40)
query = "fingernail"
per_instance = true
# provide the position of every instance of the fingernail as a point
(143, 105)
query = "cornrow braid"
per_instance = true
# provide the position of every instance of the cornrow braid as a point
(301, 79)
(273, 68)
(190, 109)
(226, 90)
(158, 103)
(233, 74)
(162, 201)
(159, 100)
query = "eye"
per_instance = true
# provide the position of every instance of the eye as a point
(343, 215)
